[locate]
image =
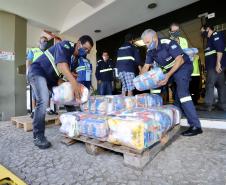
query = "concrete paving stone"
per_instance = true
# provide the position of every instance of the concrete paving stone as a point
(187, 161)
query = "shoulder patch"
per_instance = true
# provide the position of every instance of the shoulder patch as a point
(72, 44)
(174, 46)
(165, 41)
(66, 46)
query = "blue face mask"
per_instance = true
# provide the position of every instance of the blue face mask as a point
(152, 45)
(82, 52)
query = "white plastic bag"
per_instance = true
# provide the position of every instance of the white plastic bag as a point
(69, 124)
(63, 94)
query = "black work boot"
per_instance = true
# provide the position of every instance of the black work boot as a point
(192, 131)
(41, 142)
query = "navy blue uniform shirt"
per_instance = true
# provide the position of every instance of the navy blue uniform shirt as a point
(215, 44)
(62, 53)
(128, 58)
(166, 53)
(104, 70)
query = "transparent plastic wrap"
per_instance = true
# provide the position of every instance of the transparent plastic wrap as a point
(154, 100)
(162, 118)
(148, 100)
(176, 113)
(167, 111)
(130, 102)
(63, 94)
(136, 133)
(104, 104)
(69, 124)
(101, 105)
(191, 52)
(142, 100)
(149, 80)
(115, 103)
(96, 127)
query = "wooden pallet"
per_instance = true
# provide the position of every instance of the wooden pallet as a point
(26, 122)
(132, 157)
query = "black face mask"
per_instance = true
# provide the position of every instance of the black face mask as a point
(204, 34)
(174, 34)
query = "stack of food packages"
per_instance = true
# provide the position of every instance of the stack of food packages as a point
(75, 124)
(108, 105)
(137, 122)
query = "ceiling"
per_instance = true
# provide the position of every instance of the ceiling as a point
(78, 17)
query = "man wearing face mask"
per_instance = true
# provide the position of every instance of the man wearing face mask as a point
(46, 72)
(32, 56)
(215, 63)
(174, 33)
(104, 74)
(169, 55)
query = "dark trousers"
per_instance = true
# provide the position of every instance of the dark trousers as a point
(215, 80)
(195, 88)
(105, 88)
(182, 79)
(41, 92)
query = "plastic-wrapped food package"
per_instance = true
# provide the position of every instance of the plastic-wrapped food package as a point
(141, 100)
(96, 127)
(167, 111)
(84, 115)
(101, 105)
(191, 52)
(153, 114)
(130, 102)
(176, 113)
(148, 100)
(91, 104)
(136, 133)
(154, 100)
(63, 94)
(160, 117)
(115, 103)
(69, 124)
(149, 79)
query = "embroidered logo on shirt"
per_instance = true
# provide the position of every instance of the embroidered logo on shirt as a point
(217, 38)
(174, 46)
(66, 46)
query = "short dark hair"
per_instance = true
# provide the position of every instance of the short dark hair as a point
(128, 37)
(86, 38)
(173, 24)
(208, 25)
(105, 52)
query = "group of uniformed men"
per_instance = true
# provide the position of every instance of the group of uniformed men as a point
(67, 60)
